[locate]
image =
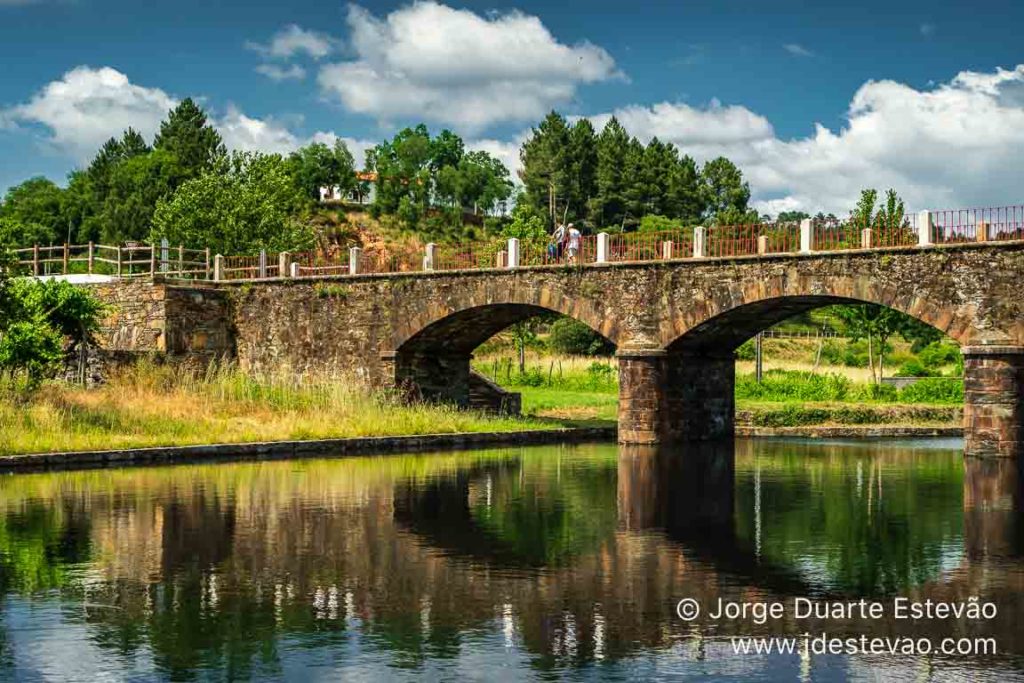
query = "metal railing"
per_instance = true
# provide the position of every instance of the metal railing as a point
(923, 229)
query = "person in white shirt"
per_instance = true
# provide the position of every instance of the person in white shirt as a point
(557, 243)
(574, 238)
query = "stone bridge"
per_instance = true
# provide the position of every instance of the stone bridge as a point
(676, 325)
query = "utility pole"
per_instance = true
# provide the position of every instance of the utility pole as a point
(759, 360)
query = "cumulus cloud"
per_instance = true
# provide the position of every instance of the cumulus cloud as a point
(957, 144)
(276, 72)
(456, 67)
(292, 41)
(87, 106)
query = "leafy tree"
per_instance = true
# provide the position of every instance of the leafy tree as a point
(545, 173)
(32, 213)
(655, 223)
(792, 216)
(317, 165)
(892, 215)
(726, 194)
(247, 203)
(573, 337)
(864, 213)
(876, 324)
(526, 224)
(190, 138)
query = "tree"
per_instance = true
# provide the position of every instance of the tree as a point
(892, 215)
(135, 186)
(726, 194)
(683, 197)
(526, 223)
(545, 167)
(863, 215)
(31, 213)
(317, 165)
(190, 138)
(582, 168)
(875, 323)
(247, 203)
(792, 216)
(609, 204)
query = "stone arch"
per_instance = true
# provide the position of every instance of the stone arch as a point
(433, 363)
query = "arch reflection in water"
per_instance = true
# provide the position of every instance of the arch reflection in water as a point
(555, 559)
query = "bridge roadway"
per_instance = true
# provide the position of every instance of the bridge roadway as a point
(675, 323)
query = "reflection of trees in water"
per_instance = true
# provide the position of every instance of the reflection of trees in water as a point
(853, 521)
(586, 563)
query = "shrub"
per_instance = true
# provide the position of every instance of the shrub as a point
(933, 390)
(746, 350)
(937, 354)
(789, 385)
(914, 368)
(655, 223)
(574, 338)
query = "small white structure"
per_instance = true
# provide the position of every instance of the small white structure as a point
(330, 193)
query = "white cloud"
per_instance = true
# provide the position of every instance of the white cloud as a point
(797, 50)
(958, 144)
(276, 72)
(433, 62)
(87, 106)
(293, 40)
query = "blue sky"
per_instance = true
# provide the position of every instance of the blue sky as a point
(813, 100)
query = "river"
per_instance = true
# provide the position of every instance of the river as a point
(565, 562)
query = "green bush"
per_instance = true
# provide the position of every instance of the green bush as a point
(655, 223)
(790, 385)
(937, 354)
(575, 338)
(933, 390)
(746, 350)
(914, 368)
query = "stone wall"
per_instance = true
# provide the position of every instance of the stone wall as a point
(136, 315)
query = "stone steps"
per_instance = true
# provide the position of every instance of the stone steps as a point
(487, 396)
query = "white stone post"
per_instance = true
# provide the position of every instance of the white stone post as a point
(354, 256)
(282, 264)
(698, 241)
(263, 264)
(806, 230)
(865, 238)
(218, 268)
(666, 250)
(430, 256)
(165, 257)
(602, 247)
(294, 269)
(501, 259)
(924, 228)
(762, 245)
(513, 252)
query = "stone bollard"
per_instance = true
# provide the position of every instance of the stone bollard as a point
(602, 247)
(430, 256)
(262, 269)
(982, 231)
(762, 245)
(501, 259)
(666, 250)
(513, 253)
(294, 269)
(699, 233)
(354, 256)
(218, 268)
(865, 238)
(924, 228)
(806, 231)
(282, 264)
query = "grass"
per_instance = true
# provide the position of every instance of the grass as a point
(151, 405)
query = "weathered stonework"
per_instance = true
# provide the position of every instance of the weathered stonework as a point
(994, 401)
(419, 329)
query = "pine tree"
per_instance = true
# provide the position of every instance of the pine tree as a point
(545, 172)
(190, 138)
(683, 195)
(634, 185)
(582, 168)
(609, 204)
(726, 194)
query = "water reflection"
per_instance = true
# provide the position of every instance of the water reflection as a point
(530, 561)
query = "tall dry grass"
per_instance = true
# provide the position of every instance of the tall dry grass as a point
(155, 405)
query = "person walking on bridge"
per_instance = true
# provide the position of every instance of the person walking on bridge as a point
(573, 238)
(557, 243)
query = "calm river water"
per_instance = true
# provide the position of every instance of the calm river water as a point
(539, 563)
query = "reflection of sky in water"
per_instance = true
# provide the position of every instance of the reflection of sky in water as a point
(505, 565)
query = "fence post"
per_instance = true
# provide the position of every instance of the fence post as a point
(262, 272)
(67, 257)
(762, 245)
(91, 256)
(513, 253)
(206, 263)
(699, 234)
(666, 250)
(181, 260)
(152, 259)
(602, 247)
(282, 264)
(165, 255)
(982, 231)
(35, 260)
(294, 269)
(865, 238)
(501, 259)
(430, 256)
(806, 230)
(119, 260)
(924, 228)
(218, 268)
(354, 255)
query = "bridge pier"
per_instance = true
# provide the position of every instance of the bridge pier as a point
(675, 396)
(434, 377)
(994, 401)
